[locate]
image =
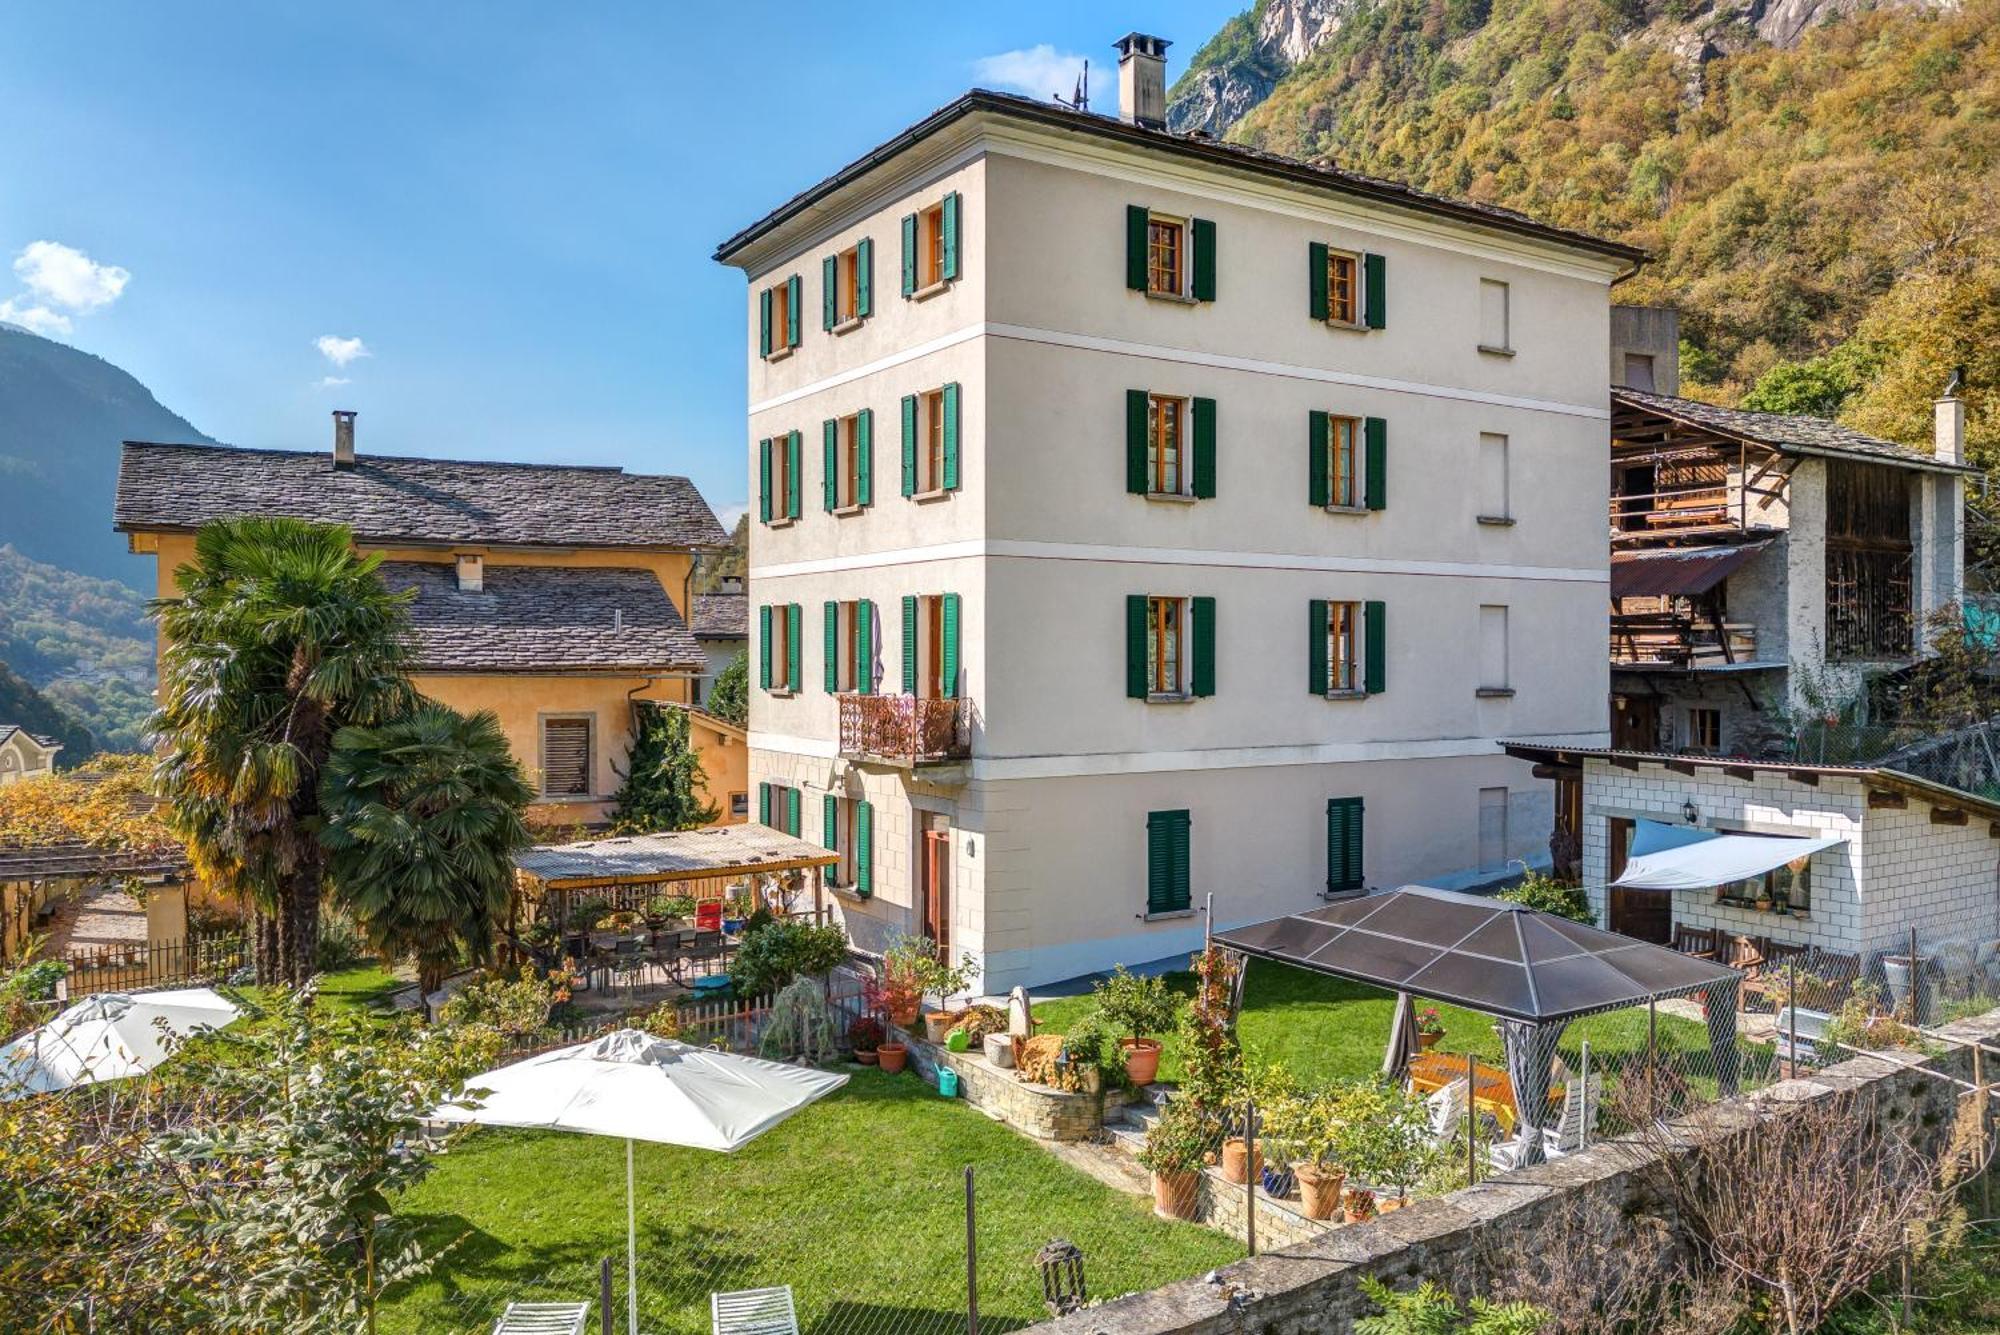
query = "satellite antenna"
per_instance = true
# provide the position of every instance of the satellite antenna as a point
(1080, 99)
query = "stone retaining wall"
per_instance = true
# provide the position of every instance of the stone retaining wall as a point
(1035, 1110)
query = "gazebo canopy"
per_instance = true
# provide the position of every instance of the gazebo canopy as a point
(1483, 954)
(681, 855)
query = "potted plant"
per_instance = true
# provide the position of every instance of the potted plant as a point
(945, 981)
(865, 1037)
(901, 986)
(1090, 1052)
(1173, 1153)
(1142, 1007)
(1430, 1028)
(1357, 1205)
(892, 1054)
(1385, 1137)
(1308, 1125)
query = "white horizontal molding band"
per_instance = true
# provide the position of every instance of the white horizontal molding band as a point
(1000, 768)
(1181, 356)
(1015, 549)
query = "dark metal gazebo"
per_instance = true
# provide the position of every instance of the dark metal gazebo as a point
(1533, 971)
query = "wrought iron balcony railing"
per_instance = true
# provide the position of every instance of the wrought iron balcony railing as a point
(903, 729)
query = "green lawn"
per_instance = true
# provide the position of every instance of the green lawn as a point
(857, 1203)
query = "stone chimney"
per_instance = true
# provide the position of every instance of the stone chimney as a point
(471, 572)
(1142, 80)
(343, 438)
(1950, 429)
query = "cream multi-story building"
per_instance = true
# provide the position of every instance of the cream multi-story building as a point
(1141, 518)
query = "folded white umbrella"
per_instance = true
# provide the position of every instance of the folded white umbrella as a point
(108, 1037)
(634, 1085)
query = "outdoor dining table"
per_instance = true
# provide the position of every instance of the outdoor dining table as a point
(1492, 1091)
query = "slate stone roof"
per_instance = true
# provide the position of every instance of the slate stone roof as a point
(389, 499)
(7, 730)
(1786, 432)
(1200, 147)
(544, 619)
(722, 616)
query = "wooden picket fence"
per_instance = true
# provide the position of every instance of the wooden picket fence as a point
(734, 1024)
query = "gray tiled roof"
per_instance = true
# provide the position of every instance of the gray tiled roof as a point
(722, 616)
(1785, 432)
(677, 855)
(9, 729)
(385, 498)
(544, 619)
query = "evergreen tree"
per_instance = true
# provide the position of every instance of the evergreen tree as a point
(729, 698)
(661, 788)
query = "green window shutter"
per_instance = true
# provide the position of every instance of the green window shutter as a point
(1201, 680)
(1316, 297)
(949, 651)
(764, 804)
(1203, 234)
(909, 644)
(864, 647)
(764, 479)
(1375, 434)
(1316, 664)
(1168, 888)
(1138, 478)
(909, 253)
(951, 437)
(795, 453)
(864, 449)
(829, 280)
(831, 672)
(792, 823)
(909, 444)
(764, 323)
(795, 619)
(1344, 844)
(1374, 648)
(1375, 291)
(764, 646)
(951, 235)
(1204, 448)
(864, 848)
(1135, 247)
(1319, 486)
(830, 483)
(1136, 676)
(864, 278)
(795, 298)
(829, 824)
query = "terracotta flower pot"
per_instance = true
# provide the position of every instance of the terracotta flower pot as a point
(1177, 1195)
(1425, 1042)
(936, 1024)
(1241, 1162)
(868, 1056)
(1389, 1203)
(903, 1016)
(892, 1056)
(1319, 1190)
(1142, 1059)
(1357, 1206)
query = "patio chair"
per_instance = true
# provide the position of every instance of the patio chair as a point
(755, 1312)
(542, 1319)
(1568, 1135)
(1700, 942)
(708, 916)
(1448, 1108)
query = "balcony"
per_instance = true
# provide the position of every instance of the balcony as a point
(1679, 640)
(903, 730)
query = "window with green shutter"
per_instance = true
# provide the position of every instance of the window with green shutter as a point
(778, 316)
(864, 848)
(1203, 482)
(909, 444)
(948, 465)
(1136, 218)
(1337, 474)
(795, 449)
(864, 278)
(1201, 282)
(933, 241)
(845, 280)
(1167, 256)
(948, 658)
(764, 480)
(1375, 647)
(829, 292)
(795, 293)
(766, 303)
(831, 658)
(1346, 288)
(1375, 291)
(1168, 880)
(909, 644)
(764, 804)
(1317, 656)
(1376, 432)
(949, 223)
(931, 441)
(829, 822)
(864, 647)
(792, 823)
(864, 457)
(1138, 677)
(766, 624)
(909, 254)
(830, 467)
(848, 450)
(1344, 845)
(1138, 442)
(1201, 676)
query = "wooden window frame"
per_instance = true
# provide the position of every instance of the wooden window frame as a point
(847, 456)
(1345, 303)
(1346, 464)
(780, 450)
(1798, 889)
(1704, 719)
(930, 247)
(847, 288)
(930, 442)
(1160, 228)
(1167, 644)
(589, 721)
(1159, 409)
(1345, 661)
(781, 320)
(847, 621)
(781, 651)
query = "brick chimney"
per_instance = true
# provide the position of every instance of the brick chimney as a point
(343, 438)
(471, 572)
(1950, 429)
(1142, 80)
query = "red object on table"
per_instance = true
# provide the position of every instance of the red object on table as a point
(708, 916)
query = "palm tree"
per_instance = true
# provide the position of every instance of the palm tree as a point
(282, 635)
(423, 816)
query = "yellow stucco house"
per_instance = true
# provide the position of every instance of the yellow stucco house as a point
(25, 755)
(554, 595)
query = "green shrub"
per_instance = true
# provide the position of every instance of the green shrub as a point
(1141, 1007)
(1546, 894)
(1429, 1309)
(1177, 1140)
(512, 1004)
(772, 954)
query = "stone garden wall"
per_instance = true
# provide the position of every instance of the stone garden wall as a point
(1035, 1110)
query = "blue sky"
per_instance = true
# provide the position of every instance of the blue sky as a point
(511, 206)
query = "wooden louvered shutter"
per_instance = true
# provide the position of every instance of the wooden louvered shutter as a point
(764, 479)
(830, 484)
(1137, 678)
(831, 672)
(1204, 449)
(864, 278)
(1375, 434)
(949, 221)
(1167, 862)
(1316, 662)
(792, 822)
(764, 646)
(1319, 485)
(795, 298)
(565, 757)
(795, 618)
(909, 254)
(909, 644)
(1375, 291)
(1344, 818)
(764, 323)
(948, 651)
(795, 451)
(864, 848)
(1374, 647)
(829, 824)
(1136, 220)
(864, 647)
(1138, 477)
(1201, 613)
(1202, 234)
(829, 289)
(763, 804)
(864, 461)
(951, 396)
(909, 444)
(1316, 296)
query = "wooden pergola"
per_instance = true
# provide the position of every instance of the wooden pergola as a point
(627, 870)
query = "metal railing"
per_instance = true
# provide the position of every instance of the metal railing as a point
(906, 729)
(113, 968)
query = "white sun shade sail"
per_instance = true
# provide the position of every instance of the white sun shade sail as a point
(110, 1036)
(1676, 857)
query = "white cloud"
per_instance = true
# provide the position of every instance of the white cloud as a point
(35, 319)
(66, 277)
(1039, 71)
(328, 382)
(341, 351)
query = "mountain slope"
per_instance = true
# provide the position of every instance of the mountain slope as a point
(62, 415)
(85, 642)
(25, 707)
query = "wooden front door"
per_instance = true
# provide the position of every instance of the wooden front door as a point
(1635, 723)
(1647, 915)
(936, 865)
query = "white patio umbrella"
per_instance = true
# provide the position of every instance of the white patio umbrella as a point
(110, 1036)
(634, 1085)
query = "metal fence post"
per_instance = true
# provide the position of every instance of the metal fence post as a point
(1652, 1059)
(1792, 1010)
(610, 1322)
(1916, 983)
(1979, 1111)
(1251, 1171)
(1585, 1118)
(971, 1262)
(1471, 1120)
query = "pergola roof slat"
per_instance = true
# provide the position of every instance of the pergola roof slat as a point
(680, 855)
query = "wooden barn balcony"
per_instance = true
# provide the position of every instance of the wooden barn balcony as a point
(904, 730)
(1680, 640)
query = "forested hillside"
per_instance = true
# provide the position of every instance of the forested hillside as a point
(87, 643)
(25, 707)
(1823, 213)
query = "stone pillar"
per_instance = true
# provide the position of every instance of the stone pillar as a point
(1805, 572)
